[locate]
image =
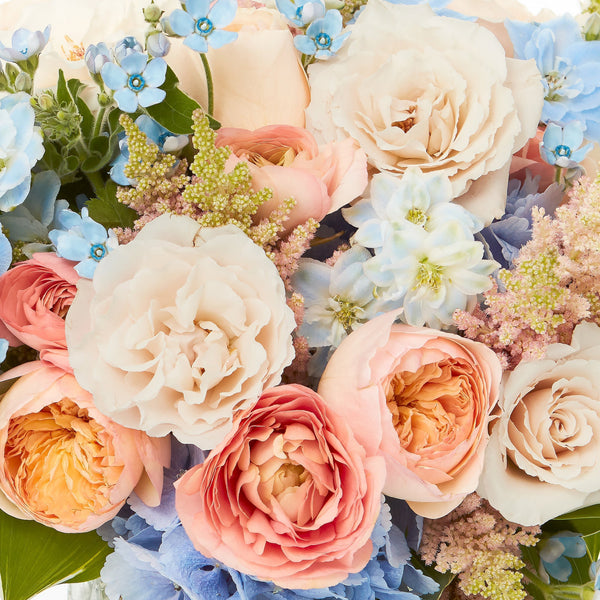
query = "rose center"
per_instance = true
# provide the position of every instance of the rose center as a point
(287, 476)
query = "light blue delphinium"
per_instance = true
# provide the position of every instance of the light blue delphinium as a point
(301, 12)
(83, 240)
(164, 139)
(20, 148)
(570, 67)
(554, 551)
(561, 145)
(25, 44)
(323, 37)
(202, 24)
(505, 237)
(136, 81)
(126, 46)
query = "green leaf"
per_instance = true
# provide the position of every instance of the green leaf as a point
(62, 91)
(443, 579)
(34, 557)
(108, 211)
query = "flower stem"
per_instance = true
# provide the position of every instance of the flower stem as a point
(557, 174)
(209, 84)
(99, 122)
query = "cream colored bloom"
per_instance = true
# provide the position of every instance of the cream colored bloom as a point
(416, 89)
(179, 329)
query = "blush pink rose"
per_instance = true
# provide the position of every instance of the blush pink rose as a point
(288, 160)
(35, 296)
(422, 399)
(63, 463)
(289, 496)
(529, 159)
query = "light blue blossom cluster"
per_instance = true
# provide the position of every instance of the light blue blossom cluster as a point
(554, 552)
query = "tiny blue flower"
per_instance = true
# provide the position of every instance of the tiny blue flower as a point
(323, 37)
(158, 45)
(25, 44)
(301, 12)
(96, 56)
(3, 349)
(136, 81)
(554, 552)
(128, 45)
(83, 240)
(202, 24)
(561, 145)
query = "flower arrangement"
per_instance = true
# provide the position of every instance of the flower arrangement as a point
(299, 300)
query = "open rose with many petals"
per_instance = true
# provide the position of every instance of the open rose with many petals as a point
(416, 89)
(290, 496)
(542, 460)
(180, 328)
(422, 399)
(62, 462)
(288, 161)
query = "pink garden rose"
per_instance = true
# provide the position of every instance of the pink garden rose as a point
(422, 399)
(35, 296)
(288, 160)
(62, 462)
(289, 496)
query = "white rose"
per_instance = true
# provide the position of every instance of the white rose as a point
(542, 458)
(416, 89)
(180, 328)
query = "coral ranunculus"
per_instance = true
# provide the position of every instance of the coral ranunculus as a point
(62, 462)
(289, 496)
(422, 399)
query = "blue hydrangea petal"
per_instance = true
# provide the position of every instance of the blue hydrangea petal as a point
(113, 76)
(181, 22)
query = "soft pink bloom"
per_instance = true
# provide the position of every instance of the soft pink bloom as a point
(288, 160)
(529, 159)
(62, 462)
(289, 496)
(422, 399)
(35, 296)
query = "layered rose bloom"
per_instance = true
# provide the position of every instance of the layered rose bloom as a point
(290, 496)
(35, 296)
(420, 398)
(179, 329)
(288, 160)
(62, 462)
(542, 460)
(416, 89)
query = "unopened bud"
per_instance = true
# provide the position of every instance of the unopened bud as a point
(23, 82)
(158, 44)
(152, 13)
(591, 29)
(104, 99)
(45, 101)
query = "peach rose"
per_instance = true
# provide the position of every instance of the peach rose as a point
(35, 296)
(416, 89)
(529, 159)
(258, 79)
(289, 496)
(542, 460)
(179, 329)
(422, 399)
(288, 160)
(62, 462)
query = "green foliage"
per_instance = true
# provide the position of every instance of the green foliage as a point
(108, 211)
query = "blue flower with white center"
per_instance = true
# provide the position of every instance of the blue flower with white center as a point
(202, 24)
(301, 12)
(126, 46)
(96, 56)
(20, 148)
(570, 67)
(164, 139)
(25, 44)
(83, 240)
(136, 81)
(561, 145)
(323, 37)
(554, 551)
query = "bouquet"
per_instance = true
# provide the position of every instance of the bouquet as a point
(300, 300)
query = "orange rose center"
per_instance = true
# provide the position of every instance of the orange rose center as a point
(61, 463)
(432, 405)
(281, 156)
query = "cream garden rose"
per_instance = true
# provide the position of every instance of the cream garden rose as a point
(179, 329)
(542, 459)
(416, 89)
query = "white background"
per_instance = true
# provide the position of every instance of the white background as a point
(558, 6)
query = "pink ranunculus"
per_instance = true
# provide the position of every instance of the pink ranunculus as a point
(422, 399)
(289, 496)
(528, 159)
(35, 296)
(288, 160)
(62, 462)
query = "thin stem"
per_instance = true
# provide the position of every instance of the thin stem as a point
(557, 174)
(99, 122)
(209, 84)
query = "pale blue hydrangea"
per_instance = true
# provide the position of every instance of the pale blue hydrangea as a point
(135, 81)
(570, 68)
(83, 240)
(24, 45)
(323, 37)
(202, 24)
(20, 148)
(301, 12)
(561, 146)
(554, 552)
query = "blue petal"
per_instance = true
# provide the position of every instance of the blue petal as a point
(223, 12)
(16, 196)
(181, 22)
(127, 100)
(113, 76)
(196, 42)
(5, 254)
(86, 268)
(305, 45)
(155, 71)
(197, 8)
(219, 38)
(3, 349)
(149, 96)
(134, 63)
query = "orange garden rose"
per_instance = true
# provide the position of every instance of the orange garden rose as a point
(65, 464)
(422, 399)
